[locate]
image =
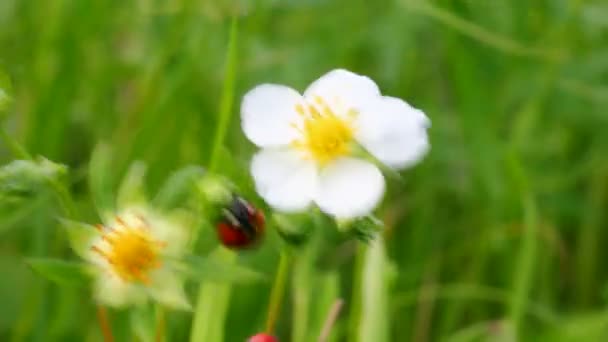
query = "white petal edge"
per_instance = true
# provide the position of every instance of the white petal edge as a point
(285, 180)
(349, 188)
(394, 132)
(343, 90)
(112, 291)
(268, 113)
(168, 289)
(166, 229)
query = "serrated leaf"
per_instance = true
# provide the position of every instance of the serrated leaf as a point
(100, 180)
(131, 190)
(206, 269)
(60, 271)
(80, 236)
(178, 187)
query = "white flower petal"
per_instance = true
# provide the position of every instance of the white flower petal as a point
(168, 289)
(267, 114)
(284, 179)
(343, 90)
(112, 291)
(393, 131)
(349, 188)
(165, 230)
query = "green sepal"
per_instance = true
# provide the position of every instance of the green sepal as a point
(80, 235)
(131, 191)
(100, 180)
(364, 229)
(294, 229)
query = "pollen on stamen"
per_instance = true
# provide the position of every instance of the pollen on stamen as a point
(120, 220)
(132, 252)
(98, 251)
(300, 109)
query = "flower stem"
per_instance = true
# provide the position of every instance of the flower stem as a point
(276, 294)
(160, 324)
(104, 324)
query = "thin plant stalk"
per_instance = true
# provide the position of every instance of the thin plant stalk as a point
(104, 324)
(331, 320)
(277, 292)
(215, 297)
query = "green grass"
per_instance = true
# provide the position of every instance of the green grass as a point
(498, 233)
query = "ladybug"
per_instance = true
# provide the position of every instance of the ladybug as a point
(241, 224)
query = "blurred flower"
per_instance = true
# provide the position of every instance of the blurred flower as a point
(263, 338)
(129, 253)
(310, 142)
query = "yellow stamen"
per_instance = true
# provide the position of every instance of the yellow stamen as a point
(132, 251)
(325, 135)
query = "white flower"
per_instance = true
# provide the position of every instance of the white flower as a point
(130, 252)
(309, 142)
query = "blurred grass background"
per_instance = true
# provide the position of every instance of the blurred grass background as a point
(497, 236)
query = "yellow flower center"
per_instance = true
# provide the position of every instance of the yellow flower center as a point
(132, 251)
(325, 135)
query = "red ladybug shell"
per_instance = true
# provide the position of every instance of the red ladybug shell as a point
(241, 226)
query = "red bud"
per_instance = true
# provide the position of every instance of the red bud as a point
(263, 338)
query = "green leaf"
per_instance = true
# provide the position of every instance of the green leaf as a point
(178, 187)
(131, 190)
(205, 269)
(60, 271)
(100, 183)
(79, 235)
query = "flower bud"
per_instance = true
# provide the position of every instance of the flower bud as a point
(293, 230)
(363, 228)
(263, 338)
(216, 189)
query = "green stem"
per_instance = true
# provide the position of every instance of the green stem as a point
(227, 100)
(160, 324)
(278, 290)
(212, 305)
(524, 271)
(213, 299)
